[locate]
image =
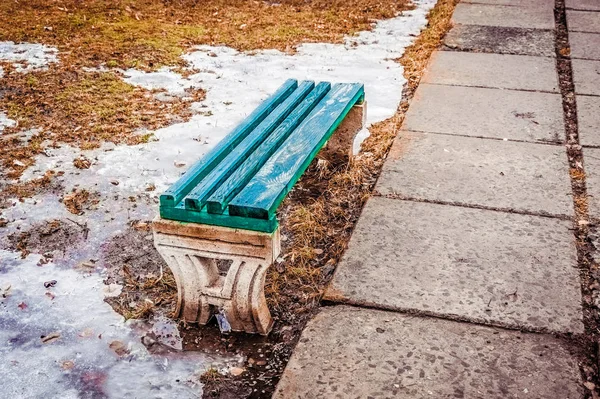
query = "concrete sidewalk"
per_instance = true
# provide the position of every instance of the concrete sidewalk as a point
(462, 270)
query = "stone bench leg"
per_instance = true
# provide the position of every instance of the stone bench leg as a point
(340, 145)
(219, 268)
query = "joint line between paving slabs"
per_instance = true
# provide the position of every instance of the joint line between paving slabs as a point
(588, 364)
(441, 316)
(494, 87)
(578, 9)
(401, 197)
(542, 142)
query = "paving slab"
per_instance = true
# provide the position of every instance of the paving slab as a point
(585, 45)
(586, 76)
(583, 4)
(347, 352)
(534, 16)
(501, 40)
(583, 21)
(588, 114)
(482, 112)
(591, 159)
(517, 72)
(471, 264)
(522, 177)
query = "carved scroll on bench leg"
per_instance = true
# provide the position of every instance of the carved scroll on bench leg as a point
(192, 252)
(339, 148)
(248, 310)
(192, 274)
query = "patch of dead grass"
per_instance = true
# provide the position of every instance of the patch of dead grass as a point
(79, 108)
(27, 189)
(416, 56)
(143, 295)
(47, 238)
(152, 33)
(148, 286)
(79, 200)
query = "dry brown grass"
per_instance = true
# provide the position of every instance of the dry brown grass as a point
(79, 108)
(79, 200)
(318, 218)
(151, 33)
(27, 189)
(577, 174)
(416, 56)
(141, 296)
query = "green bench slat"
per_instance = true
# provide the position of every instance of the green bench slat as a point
(265, 191)
(196, 199)
(200, 169)
(218, 201)
(237, 222)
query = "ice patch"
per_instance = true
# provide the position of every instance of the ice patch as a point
(164, 79)
(89, 350)
(27, 57)
(5, 121)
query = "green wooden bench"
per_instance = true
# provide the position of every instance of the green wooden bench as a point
(218, 228)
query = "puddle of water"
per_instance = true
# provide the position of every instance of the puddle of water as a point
(90, 350)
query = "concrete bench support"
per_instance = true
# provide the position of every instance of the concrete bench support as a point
(340, 145)
(194, 252)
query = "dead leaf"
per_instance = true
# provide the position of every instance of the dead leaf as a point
(119, 348)
(22, 306)
(67, 365)
(589, 385)
(50, 283)
(88, 332)
(47, 339)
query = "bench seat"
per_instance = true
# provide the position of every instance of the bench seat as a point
(218, 230)
(241, 182)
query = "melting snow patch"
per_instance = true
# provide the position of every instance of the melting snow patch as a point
(164, 79)
(27, 56)
(59, 339)
(5, 121)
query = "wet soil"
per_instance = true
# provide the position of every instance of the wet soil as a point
(133, 264)
(52, 239)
